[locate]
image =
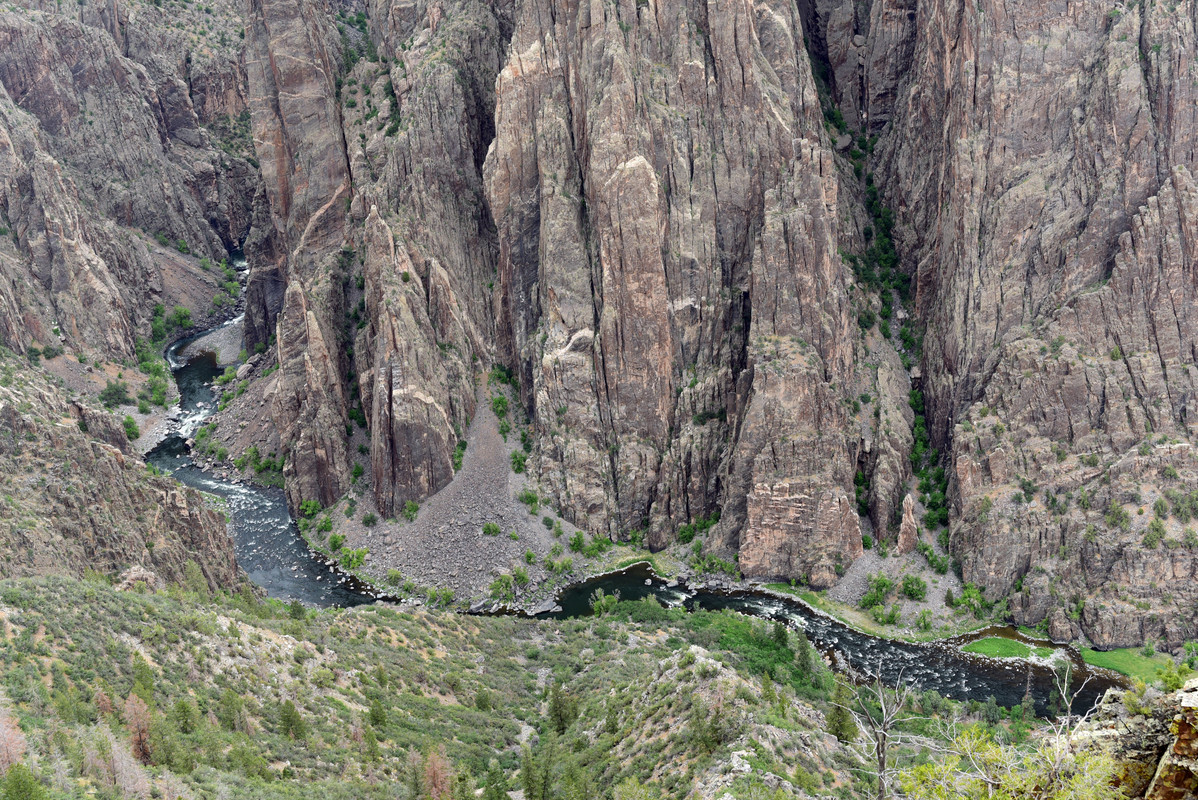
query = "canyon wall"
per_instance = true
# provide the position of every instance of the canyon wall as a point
(124, 160)
(652, 215)
(644, 212)
(637, 210)
(1040, 161)
(110, 164)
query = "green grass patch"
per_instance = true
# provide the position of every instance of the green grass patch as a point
(1129, 661)
(662, 571)
(1043, 652)
(997, 647)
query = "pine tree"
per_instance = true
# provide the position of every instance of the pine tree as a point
(438, 776)
(370, 745)
(563, 708)
(768, 695)
(137, 720)
(531, 777)
(840, 719)
(20, 784)
(378, 714)
(291, 723)
(803, 656)
(495, 785)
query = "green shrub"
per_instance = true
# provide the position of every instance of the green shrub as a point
(115, 393)
(1117, 516)
(879, 589)
(492, 529)
(370, 519)
(410, 510)
(131, 430)
(700, 524)
(518, 461)
(915, 587)
(529, 498)
(971, 598)
(180, 318)
(502, 588)
(1154, 534)
(499, 405)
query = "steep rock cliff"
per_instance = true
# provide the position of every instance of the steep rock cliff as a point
(1040, 166)
(124, 159)
(100, 153)
(670, 284)
(637, 209)
(79, 501)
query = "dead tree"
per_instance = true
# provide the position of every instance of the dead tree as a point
(877, 711)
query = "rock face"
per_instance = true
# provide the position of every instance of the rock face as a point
(291, 62)
(668, 291)
(1046, 208)
(908, 531)
(83, 502)
(1154, 741)
(102, 149)
(669, 284)
(653, 215)
(124, 160)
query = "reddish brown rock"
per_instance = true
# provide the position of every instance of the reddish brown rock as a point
(908, 531)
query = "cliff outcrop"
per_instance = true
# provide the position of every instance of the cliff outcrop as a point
(638, 212)
(78, 499)
(1041, 171)
(1152, 738)
(108, 167)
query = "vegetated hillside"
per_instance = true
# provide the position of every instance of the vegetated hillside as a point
(186, 693)
(74, 497)
(227, 696)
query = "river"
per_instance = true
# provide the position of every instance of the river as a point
(273, 553)
(938, 665)
(268, 544)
